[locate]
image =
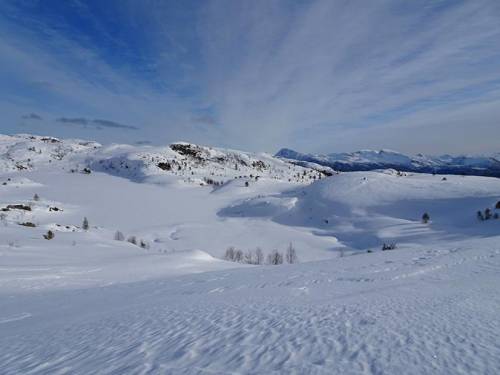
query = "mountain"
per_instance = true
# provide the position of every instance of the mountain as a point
(367, 160)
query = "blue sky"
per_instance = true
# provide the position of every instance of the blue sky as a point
(317, 76)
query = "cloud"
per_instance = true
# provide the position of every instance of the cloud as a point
(112, 124)
(316, 72)
(321, 75)
(32, 116)
(73, 121)
(97, 123)
(47, 68)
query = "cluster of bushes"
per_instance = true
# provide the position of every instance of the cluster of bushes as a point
(487, 215)
(389, 246)
(257, 257)
(210, 181)
(119, 236)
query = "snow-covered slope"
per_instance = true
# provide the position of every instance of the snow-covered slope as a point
(187, 162)
(366, 160)
(94, 301)
(366, 209)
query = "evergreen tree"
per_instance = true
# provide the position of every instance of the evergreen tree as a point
(50, 235)
(85, 224)
(425, 218)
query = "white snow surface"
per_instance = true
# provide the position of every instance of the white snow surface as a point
(84, 303)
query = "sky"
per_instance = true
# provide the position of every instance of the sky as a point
(316, 76)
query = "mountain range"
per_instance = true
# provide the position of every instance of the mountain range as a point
(367, 160)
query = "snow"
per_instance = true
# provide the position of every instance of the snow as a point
(85, 303)
(487, 165)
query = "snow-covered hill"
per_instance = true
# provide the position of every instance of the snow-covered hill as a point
(367, 160)
(146, 289)
(188, 162)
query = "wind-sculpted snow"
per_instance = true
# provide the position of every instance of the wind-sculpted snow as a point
(413, 312)
(367, 160)
(143, 286)
(365, 209)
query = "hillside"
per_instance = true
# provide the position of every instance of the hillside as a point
(147, 286)
(188, 162)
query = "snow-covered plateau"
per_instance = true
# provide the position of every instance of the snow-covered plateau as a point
(144, 284)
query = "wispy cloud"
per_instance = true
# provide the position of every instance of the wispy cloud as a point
(97, 123)
(305, 75)
(32, 116)
(324, 75)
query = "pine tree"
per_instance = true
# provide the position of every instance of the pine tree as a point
(50, 235)
(85, 224)
(36, 198)
(425, 218)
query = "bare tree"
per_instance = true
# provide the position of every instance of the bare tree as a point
(132, 240)
(249, 257)
(275, 258)
(259, 256)
(229, 255)
(238, 256)
(119, 236)
(291, 254)
(2, 218)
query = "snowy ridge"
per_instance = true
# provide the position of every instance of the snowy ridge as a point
(188, 162)
(366, 160)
